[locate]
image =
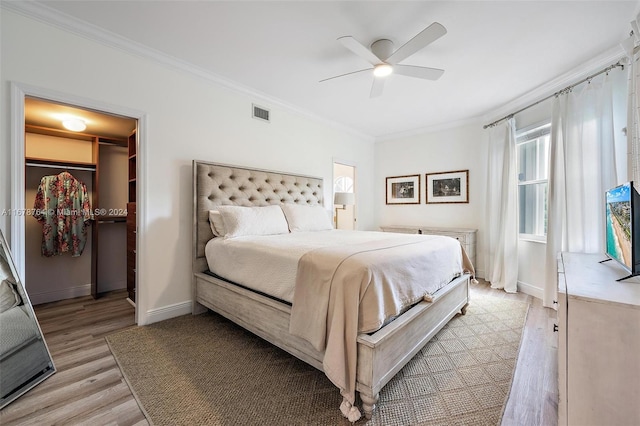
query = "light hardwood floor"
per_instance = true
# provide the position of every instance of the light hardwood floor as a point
(88, 387)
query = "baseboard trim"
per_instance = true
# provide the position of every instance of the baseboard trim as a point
(55, 295)
(530, 289)
(167, 312)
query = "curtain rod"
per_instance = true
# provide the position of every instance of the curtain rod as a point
(558, 93)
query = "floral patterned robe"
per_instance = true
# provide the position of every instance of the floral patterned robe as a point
(62, 207)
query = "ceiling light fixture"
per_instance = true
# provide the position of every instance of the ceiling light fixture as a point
(382, 70)
(74, 124)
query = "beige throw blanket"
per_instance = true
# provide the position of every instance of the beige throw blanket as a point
(341, 291)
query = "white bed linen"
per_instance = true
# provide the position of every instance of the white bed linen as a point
(274, 256)
(269, 263)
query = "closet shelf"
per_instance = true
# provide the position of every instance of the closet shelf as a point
(56, 164)
(75, 135)
(110, 219)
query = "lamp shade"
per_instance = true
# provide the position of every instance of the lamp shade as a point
(344, 198)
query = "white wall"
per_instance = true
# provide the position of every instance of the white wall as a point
(458, 148)
(189, 117)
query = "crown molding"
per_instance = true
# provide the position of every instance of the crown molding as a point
(41, 12)
(578, 73)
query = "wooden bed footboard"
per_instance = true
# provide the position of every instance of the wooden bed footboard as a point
(380, 355)
(383, 354)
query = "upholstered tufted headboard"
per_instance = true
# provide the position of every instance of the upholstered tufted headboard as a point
(219, 184)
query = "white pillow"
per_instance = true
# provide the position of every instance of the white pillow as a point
(216, 222)
(306, 218)
(239, 221)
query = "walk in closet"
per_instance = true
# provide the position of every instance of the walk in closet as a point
(59, 165)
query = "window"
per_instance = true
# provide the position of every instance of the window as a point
(343, 184)
(533, 174)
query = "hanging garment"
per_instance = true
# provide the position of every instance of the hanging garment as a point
(62, 207)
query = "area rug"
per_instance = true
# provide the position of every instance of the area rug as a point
(205, 370)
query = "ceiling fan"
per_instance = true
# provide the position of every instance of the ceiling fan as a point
(386, 61)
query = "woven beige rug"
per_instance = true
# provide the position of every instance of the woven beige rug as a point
(205, 370)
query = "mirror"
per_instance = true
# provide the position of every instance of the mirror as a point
(25, 360)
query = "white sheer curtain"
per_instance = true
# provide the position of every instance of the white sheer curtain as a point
(502, 208)
(582, 167)
(630, 46)
(633, 116)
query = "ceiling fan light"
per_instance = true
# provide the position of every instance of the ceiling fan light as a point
(74, 124)
(382, 70)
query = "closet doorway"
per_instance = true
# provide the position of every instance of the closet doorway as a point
(96, 165)
(344, 188)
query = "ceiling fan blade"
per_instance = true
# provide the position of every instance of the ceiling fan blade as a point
(376, 88)
(342, 75)
(418, 72)
(356, 47)
(427, 36)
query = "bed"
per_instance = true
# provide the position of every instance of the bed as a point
(378, 353)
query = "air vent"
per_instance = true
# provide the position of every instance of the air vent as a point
(260, 113)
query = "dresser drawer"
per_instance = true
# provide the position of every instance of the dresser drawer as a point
(463, 237)
(401, 229)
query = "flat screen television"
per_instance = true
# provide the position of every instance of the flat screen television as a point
(623, 227)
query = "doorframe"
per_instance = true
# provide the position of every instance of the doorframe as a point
(19, 91)
(355, 186)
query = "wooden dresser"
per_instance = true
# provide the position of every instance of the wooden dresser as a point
(467, 237)
(598, 342)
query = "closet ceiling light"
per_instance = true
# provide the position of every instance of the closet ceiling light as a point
(74, 124)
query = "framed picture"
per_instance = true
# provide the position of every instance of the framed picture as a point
(403, 189)
(448, 187)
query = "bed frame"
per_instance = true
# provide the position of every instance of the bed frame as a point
(380, 355)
